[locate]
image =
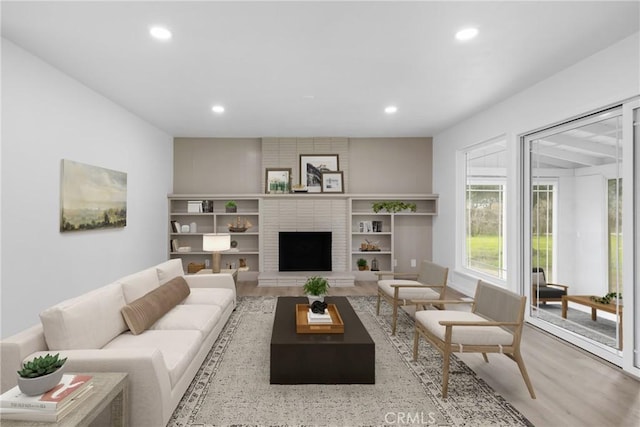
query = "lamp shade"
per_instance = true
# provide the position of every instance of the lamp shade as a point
(216, 242)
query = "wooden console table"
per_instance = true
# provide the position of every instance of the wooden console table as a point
(109, 389)
(595, 306)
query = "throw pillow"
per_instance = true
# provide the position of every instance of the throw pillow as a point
(146, 310)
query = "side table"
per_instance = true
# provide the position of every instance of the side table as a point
(232, 271)
(109, 388)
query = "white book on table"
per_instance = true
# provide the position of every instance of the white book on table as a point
(318, 317)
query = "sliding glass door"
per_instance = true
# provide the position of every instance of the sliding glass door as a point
(574, 227)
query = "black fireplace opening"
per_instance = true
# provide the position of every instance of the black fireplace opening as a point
(304, 251)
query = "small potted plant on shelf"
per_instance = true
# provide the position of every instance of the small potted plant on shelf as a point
(393, 206)
(231, 206)
(316, 288)
(40, 374)
(362, 264)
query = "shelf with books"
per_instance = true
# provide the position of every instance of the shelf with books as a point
(400, 235)
(212, 217)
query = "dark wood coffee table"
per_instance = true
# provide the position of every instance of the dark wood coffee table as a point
(347, 358)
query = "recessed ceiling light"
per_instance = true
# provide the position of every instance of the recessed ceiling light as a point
(466, 34)
(160, 33)
(391, 109)
(217, 109)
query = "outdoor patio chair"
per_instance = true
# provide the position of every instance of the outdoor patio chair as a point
(543, 291)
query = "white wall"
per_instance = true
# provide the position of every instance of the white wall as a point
(46, 117)
(608, 77)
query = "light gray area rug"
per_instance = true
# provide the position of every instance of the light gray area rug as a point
(232, 386)
(602, 330)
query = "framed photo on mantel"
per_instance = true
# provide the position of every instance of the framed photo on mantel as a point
(312, 166)
(332, 182)
(277, 181)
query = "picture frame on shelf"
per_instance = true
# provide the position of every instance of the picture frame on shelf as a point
(313, 165)
(277, 180)
(365, 226)
(333, 182)
(194, 206)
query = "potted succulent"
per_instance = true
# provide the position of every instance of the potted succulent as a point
(362, 264)
(40, 374)
(316, 288)
(231, 206)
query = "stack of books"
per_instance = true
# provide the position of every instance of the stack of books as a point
(51, 406)
(315, 318)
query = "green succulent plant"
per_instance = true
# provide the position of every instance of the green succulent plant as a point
(361, 262)
(316, 285)
(41, 365)
(231, 204)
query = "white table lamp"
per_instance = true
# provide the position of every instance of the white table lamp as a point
(216, 243)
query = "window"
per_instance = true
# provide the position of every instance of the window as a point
(542, 234)
(485, 209)
(614, 208)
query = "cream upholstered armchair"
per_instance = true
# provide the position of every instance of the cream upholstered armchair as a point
(430, 284)
(494, 325)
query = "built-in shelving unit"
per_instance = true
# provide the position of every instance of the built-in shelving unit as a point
(399, 236)
(379, 235)
(187, 245)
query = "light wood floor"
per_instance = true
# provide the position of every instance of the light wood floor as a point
(573, 388)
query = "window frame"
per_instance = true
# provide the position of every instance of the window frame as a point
(461, 211)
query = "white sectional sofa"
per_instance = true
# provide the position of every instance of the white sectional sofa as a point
(164, 355)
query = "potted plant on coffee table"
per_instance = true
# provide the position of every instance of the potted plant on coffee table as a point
(316, 288)
(40, 374)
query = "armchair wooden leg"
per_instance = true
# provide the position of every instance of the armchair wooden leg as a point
(378, 305)
(395, 317)
(485, 357)
(518, 358)
(446, 356)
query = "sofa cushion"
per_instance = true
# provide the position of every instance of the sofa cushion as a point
(85, 322)
(201, 318)
(145, 311)
(169, 269)
(408, 293)
(136, 285)
(210, 296)
(467, 335)
(178, 348)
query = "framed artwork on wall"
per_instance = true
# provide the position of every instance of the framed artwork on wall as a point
(332, 182)
(277, 180)
(92, 197)
(312, 166)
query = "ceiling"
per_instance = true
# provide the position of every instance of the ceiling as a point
(313, 68)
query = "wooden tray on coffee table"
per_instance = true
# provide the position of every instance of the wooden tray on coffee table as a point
(303, 326)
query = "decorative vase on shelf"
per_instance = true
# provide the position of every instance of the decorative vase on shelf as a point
(193, 227)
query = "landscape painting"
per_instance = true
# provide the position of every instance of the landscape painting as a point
(92, 197)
